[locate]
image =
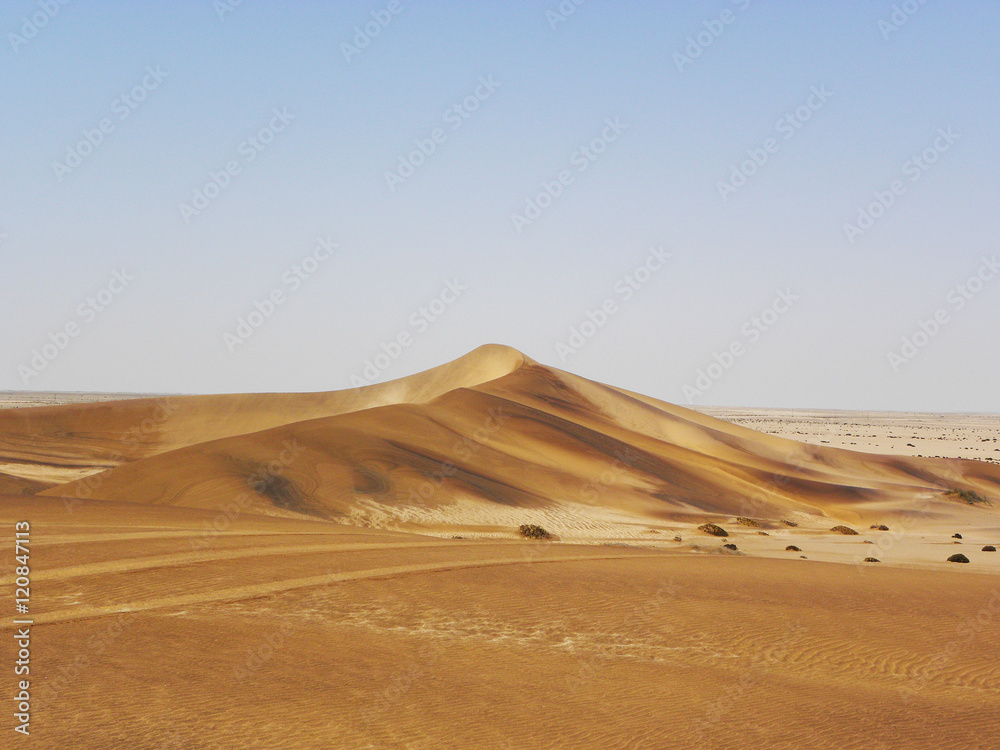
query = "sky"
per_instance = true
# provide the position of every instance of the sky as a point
(741, 203)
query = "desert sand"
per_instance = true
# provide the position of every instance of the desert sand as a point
(343, 569)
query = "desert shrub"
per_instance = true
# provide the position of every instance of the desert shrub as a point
(747, 522)
(788, 523)
(959, 558)
(845, 530)
(532, 531)
(730, 546)
(989, 548)
(711, 528)
(972, 498)
(879, 527)
(872, 559)
(792, 548)
(957, 536)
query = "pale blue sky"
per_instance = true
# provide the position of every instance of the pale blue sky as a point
(531, 91)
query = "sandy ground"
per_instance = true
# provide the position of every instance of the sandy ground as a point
(974, 436)
(342, 570)
(277, 633)
(23, 399)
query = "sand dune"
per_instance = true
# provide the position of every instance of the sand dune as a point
(281, 570)
(494, 434)
(56, 444)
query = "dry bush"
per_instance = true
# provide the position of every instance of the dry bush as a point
(532, 531)
(711, 528)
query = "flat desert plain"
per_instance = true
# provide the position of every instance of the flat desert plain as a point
(345, 570)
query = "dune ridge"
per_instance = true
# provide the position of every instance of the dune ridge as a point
(495, 433)
(51, 445)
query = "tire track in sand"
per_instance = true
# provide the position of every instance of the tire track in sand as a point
(265, 589)
(176, 559)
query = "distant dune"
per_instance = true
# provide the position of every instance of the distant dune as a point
(469, 443)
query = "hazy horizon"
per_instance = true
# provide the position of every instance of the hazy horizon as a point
(725, 203)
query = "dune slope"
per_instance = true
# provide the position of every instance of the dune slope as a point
(51, 445)
(479, 451)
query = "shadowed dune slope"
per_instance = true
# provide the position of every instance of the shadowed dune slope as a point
(50, 445)
(458, 448)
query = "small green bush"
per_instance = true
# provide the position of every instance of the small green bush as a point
(788, 523)
(748, 522)
(972, 498)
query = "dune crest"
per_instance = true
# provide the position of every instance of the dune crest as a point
(493, 437)
(46, 446)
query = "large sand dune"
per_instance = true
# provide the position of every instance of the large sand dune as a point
(494, 432)
(282, 570)
(54, 444)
